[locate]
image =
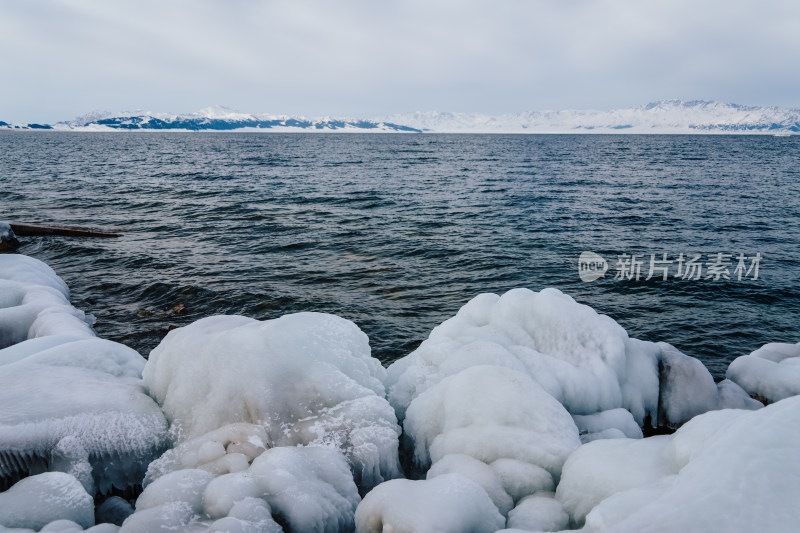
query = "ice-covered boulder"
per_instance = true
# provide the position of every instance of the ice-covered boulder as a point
(37, 501)
(479, 472)
(34, 302)
(304, 488)
(490, 413)
(64, 526)
(307, 379)
(228, 449)
(687, 389)
(78, 406)
(771, 372)
(614, 423)
(446, 503)
(539, 512)
(581, 358)
(517, 377)
(727, 470)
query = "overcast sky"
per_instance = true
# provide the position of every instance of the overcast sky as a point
(60, 59)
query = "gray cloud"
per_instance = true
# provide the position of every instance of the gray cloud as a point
(362, 58)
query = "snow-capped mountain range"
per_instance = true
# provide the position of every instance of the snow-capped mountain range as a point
(669, 116)
(221, 119)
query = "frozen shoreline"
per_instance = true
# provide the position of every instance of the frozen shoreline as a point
(499, 408)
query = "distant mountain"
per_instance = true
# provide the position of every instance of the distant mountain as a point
(669, 116)
(222, 119)
(7, 126)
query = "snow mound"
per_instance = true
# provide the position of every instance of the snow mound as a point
(728, 470)
(583, 359)
(228, 449)
(34, 302)
(772, 371)
(527, 377)
(307, 378)
(304, 488)
(479, 472)
(539, 512)
(446, 503)
(39, 500)
(490, 413)
(77, 406)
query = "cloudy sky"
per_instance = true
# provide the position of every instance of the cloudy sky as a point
(60, 59)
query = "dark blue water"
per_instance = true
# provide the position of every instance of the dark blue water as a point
(396, 232)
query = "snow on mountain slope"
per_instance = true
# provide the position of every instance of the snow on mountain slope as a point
(670, 116)
(221, 119)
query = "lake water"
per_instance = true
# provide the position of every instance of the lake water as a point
(397, 231)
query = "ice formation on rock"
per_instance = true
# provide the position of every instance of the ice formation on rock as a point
(614, 423)
(490, 413)
(278, 424)
(499, 382)
(539, 512)
(39, 500)
(306, 488)
(446, 503)
(34, 302)
(728, 470)
(307, 379)
(687, 389)
(583, 359)
(228, 449)
(772, 371)
(77, 406)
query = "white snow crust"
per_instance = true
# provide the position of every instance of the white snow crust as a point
(772, 371)
(307, 379)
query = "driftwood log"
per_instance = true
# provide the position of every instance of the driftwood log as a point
(30, 230)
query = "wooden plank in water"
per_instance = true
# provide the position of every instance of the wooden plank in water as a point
(30, 230)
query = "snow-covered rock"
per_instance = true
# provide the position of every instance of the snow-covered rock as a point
(772, 371)
(305, 488)
(539, 512)
(519, 377)
(490, 413)
(228, 449)
(307, 379)
(617, 422)
(34, 302)
(77, 405)
(687, 389)
(480, 473)
(446, 503)
(727, 470)
(39, 500)
(583, 359)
